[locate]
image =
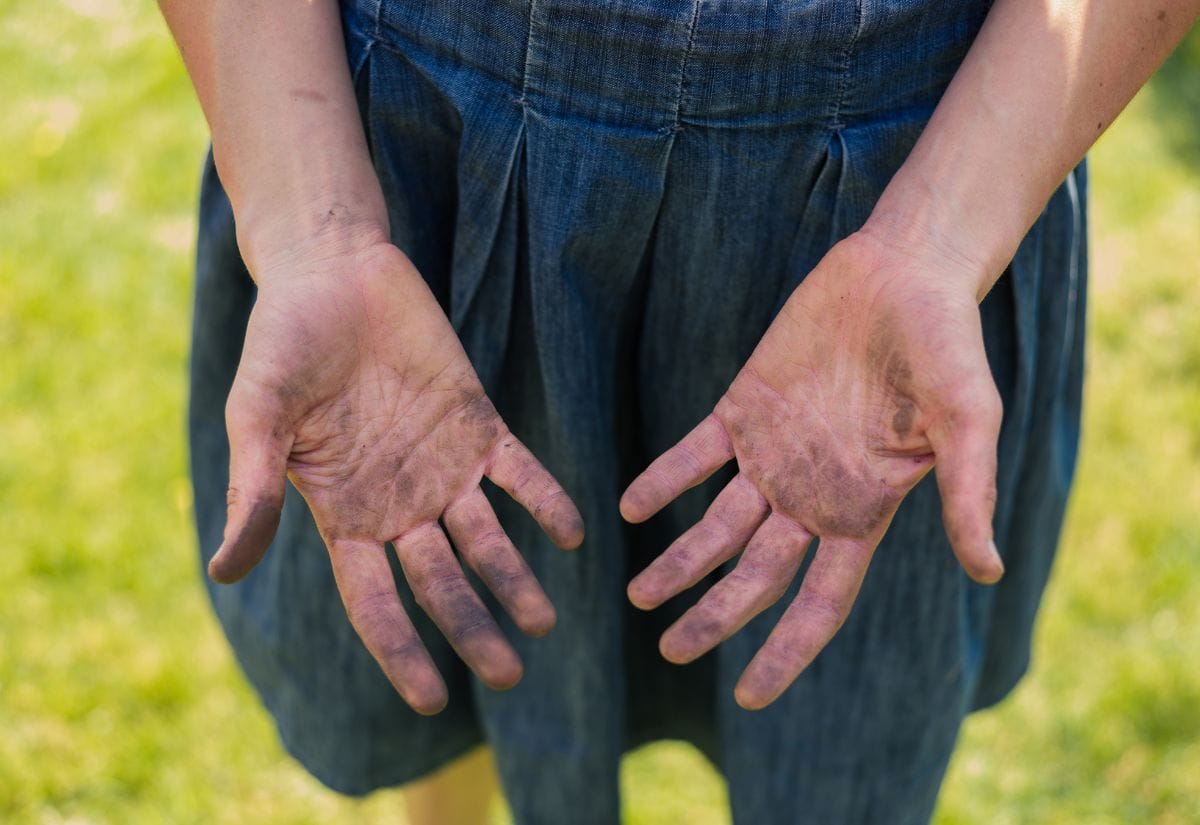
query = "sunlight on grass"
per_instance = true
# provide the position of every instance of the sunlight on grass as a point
(119, 700)
(1107, 727)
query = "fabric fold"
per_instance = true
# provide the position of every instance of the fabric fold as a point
(611, 202)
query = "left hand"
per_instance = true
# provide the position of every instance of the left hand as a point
(873, 373)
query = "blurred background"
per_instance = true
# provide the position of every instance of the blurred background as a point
(119, 700)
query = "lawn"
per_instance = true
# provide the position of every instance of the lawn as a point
(119, 700)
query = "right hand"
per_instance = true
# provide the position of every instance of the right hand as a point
(353, 384)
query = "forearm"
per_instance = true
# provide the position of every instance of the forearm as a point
(1043, 79)
(274, 84)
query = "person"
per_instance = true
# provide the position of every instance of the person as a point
(760, 266)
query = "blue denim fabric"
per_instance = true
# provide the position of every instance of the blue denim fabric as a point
(611, 200)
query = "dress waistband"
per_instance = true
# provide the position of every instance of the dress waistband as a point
(663, 63)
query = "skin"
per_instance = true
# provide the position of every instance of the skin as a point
(353, 385)
(874, 371)
(858, 388)
(458, 794)
(367, 402)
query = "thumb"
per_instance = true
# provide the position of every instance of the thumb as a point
(964, 443)
(258, 452)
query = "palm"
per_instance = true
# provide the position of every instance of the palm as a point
(355, 382)
(869, 376)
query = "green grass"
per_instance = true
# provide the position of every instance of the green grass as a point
(119, 701)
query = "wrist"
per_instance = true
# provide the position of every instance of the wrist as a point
(945, 219)
(322, 192)
(291, 240)
(275, 235)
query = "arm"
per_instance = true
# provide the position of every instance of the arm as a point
(874, 372)
(352, 382)
(272, 76)
(1040, 84)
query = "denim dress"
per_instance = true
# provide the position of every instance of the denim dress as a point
(612, 199)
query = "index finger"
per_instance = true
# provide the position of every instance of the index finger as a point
(697, 456)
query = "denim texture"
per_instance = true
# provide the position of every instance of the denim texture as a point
(612, 200)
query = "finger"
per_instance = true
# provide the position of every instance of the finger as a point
(487, 550)
(964, 444)
(517, 472)
(727, 526)
(368, 590)
(761, 576)
(258, 452)
(441, 588)
(697, 456)
(830, 586)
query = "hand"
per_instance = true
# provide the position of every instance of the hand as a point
(353, 383)
(873, 372)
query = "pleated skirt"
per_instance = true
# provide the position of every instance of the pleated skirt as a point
(611, 200)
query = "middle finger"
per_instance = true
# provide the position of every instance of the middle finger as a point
(441, 588)
(761, 576)
(736, 512)
(488, 550)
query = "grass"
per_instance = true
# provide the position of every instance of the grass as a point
(119, 701)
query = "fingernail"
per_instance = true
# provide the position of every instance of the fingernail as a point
(996, 555)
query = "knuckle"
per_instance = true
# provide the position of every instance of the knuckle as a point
(479, 623)
(825, 612)
(747, 574)
(991, 406)
(685, 461)
(766, 567)
(401, 652)
(527, 477)
(718, 601)
(440, 586)
(240, 405)
(549, 499)
(366, 609)
(768, 586)
(656, 481)
(717, 528)
(503, 578)
(976, 403)
(489, 544)
(247, 419)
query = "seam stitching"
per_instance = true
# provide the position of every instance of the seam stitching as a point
(376, 20)
(681, 90)
(847, 56)
(523, 100)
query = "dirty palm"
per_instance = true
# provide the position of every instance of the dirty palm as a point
(873, 372)
(372, 409)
